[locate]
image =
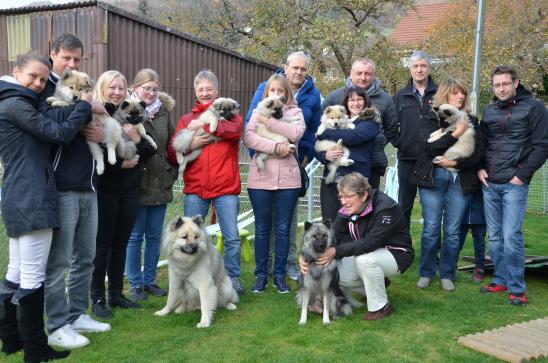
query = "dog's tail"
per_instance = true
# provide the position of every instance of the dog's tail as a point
(343, 306)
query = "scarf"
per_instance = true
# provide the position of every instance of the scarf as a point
(153, 108)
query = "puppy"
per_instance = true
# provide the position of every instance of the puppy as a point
(221, 109)
(272, 106)
(448, 117)
(334, 117)
(133, 111)
(321, 283)
(197, 277)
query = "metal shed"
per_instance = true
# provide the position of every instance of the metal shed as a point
(117, 39)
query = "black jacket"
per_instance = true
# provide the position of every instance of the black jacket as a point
(29, 196)
(468, 167)
(380, 225)
(73, 163)
(410, 113)
(516, 137)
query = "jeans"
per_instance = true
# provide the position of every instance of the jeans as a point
(263, 203)
(504, 206)
(407, 191)
(444, 201)
(148, 225)
(70, 261)
(227, 208)
(478, 235)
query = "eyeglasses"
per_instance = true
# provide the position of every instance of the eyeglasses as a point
(356, 100)
(150, 89)
(502, 85)
(346, 197)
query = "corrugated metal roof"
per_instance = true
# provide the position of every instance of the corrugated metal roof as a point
(413, 27)
(117, 10)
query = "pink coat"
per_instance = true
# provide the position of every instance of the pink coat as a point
(279, 173)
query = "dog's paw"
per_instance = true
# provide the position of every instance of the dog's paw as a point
(349, 162)
(302, 322)
(231, 306)
(180, 309)
(162, 312)
(351, 126)
(100, 169)
(326, 322)
(292, 147)
(203, 324)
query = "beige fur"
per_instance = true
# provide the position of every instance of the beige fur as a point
(197, 277)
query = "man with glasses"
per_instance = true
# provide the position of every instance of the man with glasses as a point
(412, 103)
(363, 74)
(515, 132)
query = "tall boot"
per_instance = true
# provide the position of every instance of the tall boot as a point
(30, 316)
(11, 343)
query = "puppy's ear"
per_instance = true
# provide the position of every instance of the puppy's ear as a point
(327, 223)
(90, 83)
(436, 109)
(67, 73)
(270, 103)
(124, 104)
(283, 99)
(198, 220)
(307, 225)
(143, 104)
(327, 110)
(176, 223)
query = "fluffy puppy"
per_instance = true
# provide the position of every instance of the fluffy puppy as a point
(272, 106)
(334, 117)
(197, 277)
(321, 283)
(448, 117)
(222, 109)
(133, 111)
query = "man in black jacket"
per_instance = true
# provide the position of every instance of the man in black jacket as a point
(73, 246)
(515, 131)
(412, 103)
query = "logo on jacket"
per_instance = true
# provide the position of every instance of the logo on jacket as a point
(386, 219)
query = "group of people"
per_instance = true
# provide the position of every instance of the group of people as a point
(68, 227)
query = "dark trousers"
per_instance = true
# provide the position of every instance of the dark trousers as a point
(376, 173)
(329, 202)
(407, 191)
(478, 235)
(117, 214)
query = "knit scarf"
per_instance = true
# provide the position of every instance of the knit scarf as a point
(153, 108)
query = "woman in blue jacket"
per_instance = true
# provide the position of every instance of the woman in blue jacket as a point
(29, 202)
(359, 141)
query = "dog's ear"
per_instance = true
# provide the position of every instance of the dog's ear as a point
(124, 104)
(327, 223)
(143, 104)
(67, 73)
(110, 107)
(307, 225)
(270, 103)
(436, 109)
(198, 220)
(176, 223)
(327, 110)
(283, 99)
(90, 83)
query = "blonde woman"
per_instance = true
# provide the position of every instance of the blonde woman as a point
(156, 187)
(118, 201)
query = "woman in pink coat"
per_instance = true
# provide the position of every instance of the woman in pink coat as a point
(276, 186)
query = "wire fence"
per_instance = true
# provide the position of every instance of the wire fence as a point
(308, 206)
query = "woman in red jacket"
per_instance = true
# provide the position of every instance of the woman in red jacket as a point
(214, 176)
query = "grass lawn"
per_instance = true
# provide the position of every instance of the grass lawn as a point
(424, 327)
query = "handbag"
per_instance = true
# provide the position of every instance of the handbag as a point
(305, 180)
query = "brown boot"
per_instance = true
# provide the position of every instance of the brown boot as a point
(379, 314)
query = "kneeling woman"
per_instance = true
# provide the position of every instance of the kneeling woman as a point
(372, 243)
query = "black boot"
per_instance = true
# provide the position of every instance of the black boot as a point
(30, 316)
(11, 343)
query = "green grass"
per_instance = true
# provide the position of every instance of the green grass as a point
(424, 327)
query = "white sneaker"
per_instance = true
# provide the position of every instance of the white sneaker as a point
(85, 324)
(65, 337)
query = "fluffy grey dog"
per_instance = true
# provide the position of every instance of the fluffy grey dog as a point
(448, 116)
(321, 283)
(221, 109)
(272, 106)
(197, 277)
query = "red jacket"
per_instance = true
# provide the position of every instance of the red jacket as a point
(215, 172)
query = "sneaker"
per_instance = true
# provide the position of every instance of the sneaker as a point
(293, 272)
(100, 310)
(122, 302)
(379, 314)
(447, 285)
(260, 284)
(281, 285)
(137, 294)
(478, 275)
(493, 288)
(65, 337)
(424, 282)
(85, 324)
(237, 285)
(155, 290)
(518, 299)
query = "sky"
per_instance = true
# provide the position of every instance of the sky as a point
(5, 4)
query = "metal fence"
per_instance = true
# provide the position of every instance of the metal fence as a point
(308, 206)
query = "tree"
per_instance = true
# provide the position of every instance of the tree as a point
(515, 33)
(143, 9)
